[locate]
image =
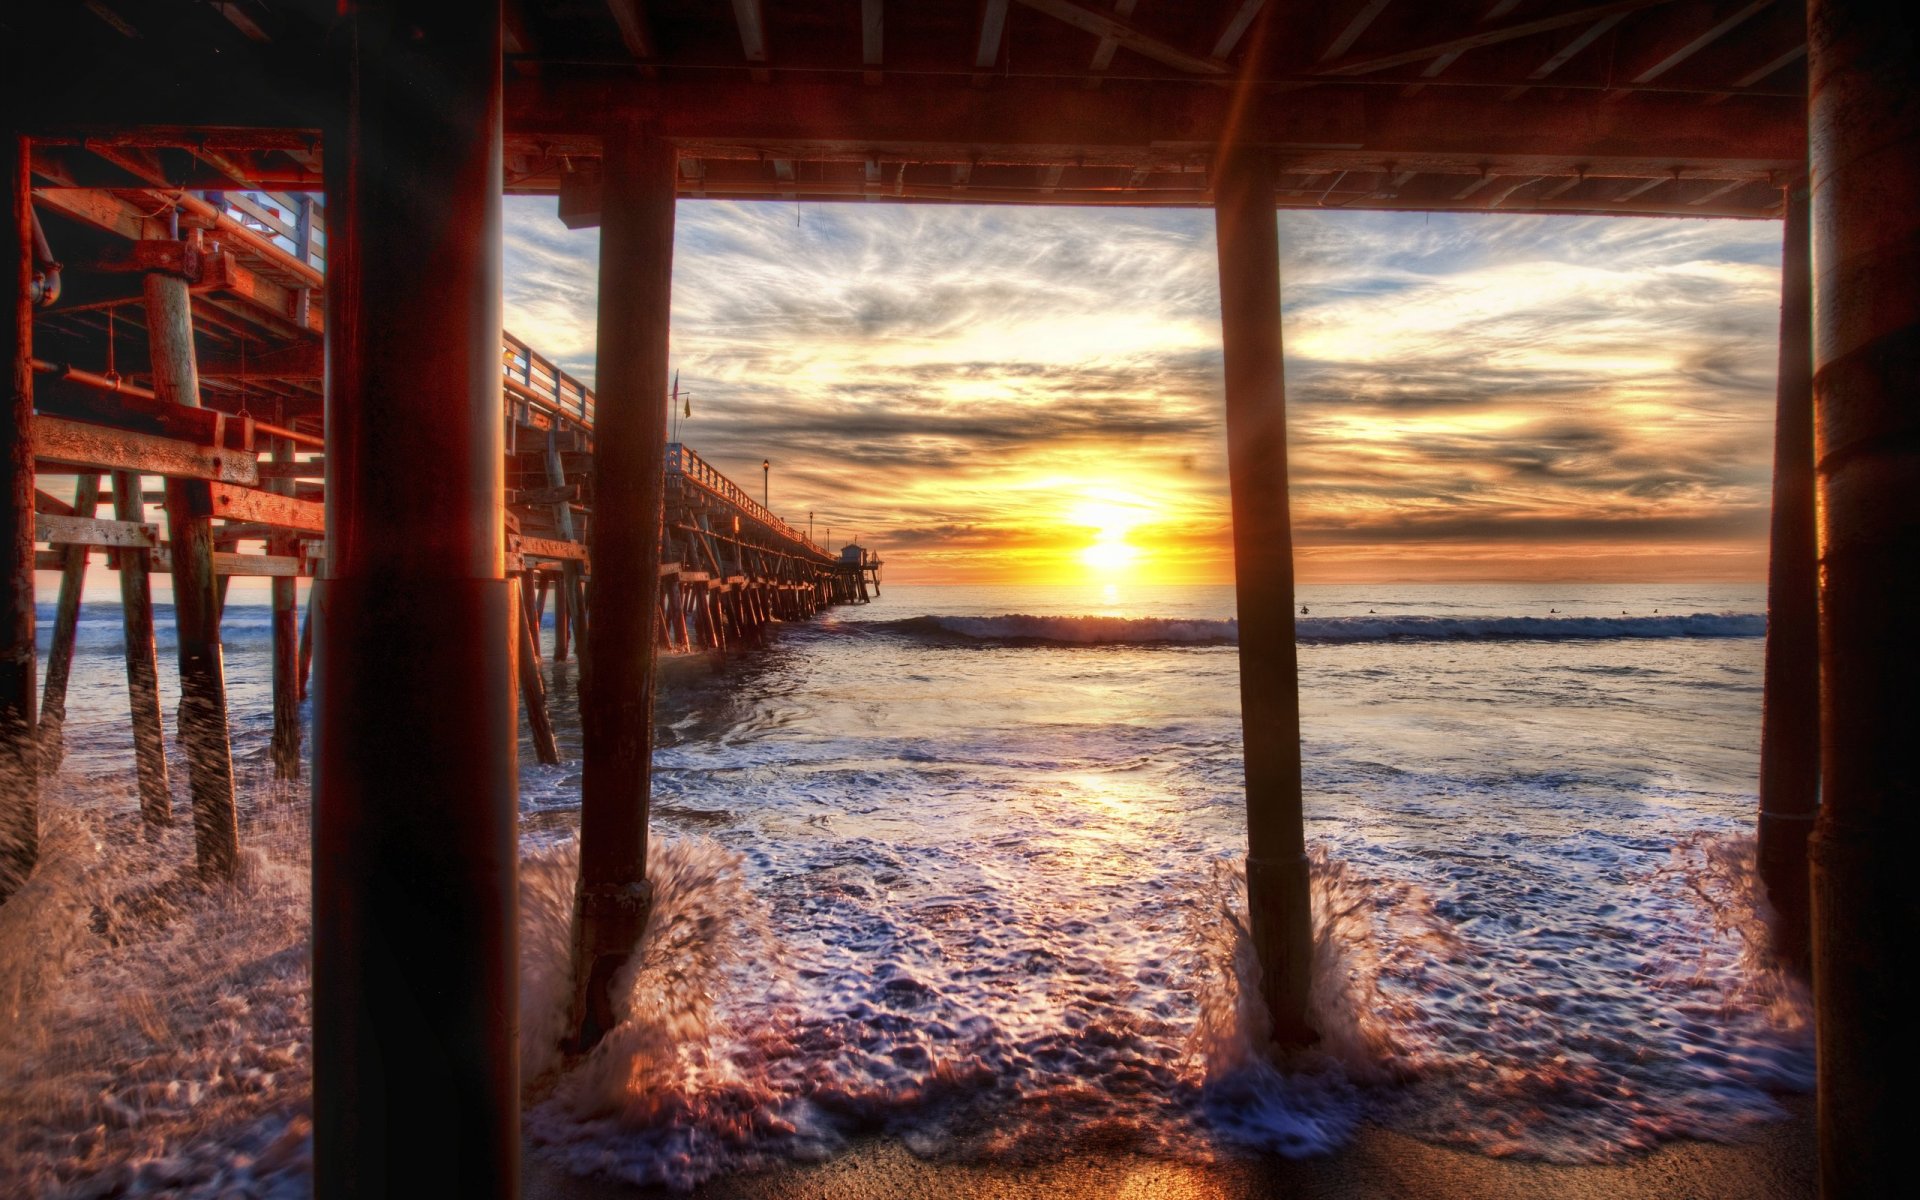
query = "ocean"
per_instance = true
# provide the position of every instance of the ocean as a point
(961, 868)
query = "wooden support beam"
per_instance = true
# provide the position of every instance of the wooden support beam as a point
(19, 748)
(196, 601)
(1278, 906)
(1790, 719)
(415, 747)
(1687, 38)
(91, 531)
(1323, 128)
(616, 703)
(993, 31)
(572, 585)
(1103, 51)
(873, 20)
(281, 511)
(1864, 130)
(63, 443)
(1107, 25)
(1486, 35)
(285, 747)
(751, 17)
(1567, 52)
(1236, 27)
(66, 626)
(143, 672)
(533, 690)
(537, 547)
(1360, 18)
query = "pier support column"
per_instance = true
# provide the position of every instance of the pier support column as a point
(196, 595)
(619, 658)
(1864, 137)
(415, 950)
(66, 630)
(286, 643)
(19, 748)
(1790, 723)
(1279, 917)
(143, 666)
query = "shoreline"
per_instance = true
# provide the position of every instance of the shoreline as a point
(1777, 1161)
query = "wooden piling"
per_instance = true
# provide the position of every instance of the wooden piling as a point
(533, 689)
(196, 600)
(573, 596)
(66, 628)
(560, 622)
(19, 748)
(529, 612)
(619, 657)
(1279, 916)
(306, 639)
(143, 668)
(286, 651)
(1790, 720)
(415, 948)
(1864, 133)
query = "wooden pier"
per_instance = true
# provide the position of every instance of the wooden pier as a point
(451, 480)
(249, 437)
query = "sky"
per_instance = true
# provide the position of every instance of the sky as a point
(1034, 395)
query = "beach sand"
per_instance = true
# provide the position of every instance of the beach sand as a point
(1776, 1163)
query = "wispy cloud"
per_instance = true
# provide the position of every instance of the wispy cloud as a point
(1467, 393)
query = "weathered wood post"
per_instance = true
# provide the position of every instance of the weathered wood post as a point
(66, 630)
(196, 596)
(619, 658)
(1278, 912)
(1864, 136)
(573, 597)
(286, 649)
(1790, 721)
(415, 951)
(19, 746)
(533, 689)
(143, 667)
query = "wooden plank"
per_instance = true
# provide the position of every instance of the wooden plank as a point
(225, 563)
(256, 564)
(93, 531)
(265, 508)
(62, 443)
(538, 547)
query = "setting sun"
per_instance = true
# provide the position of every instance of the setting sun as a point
(1110, 517)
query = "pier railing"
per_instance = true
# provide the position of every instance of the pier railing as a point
(690, 467)
(288, 231)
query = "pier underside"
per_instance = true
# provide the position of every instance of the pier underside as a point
(325, 390)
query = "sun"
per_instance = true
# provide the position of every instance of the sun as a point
(1110, 518)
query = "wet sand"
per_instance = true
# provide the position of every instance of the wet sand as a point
(1777, 1163)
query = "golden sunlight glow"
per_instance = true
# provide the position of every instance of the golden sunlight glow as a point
(1111, 516)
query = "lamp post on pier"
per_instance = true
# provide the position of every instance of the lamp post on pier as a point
(766, 479)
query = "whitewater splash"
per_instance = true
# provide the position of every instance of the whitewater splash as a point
(159, 1030)
(1016, 628)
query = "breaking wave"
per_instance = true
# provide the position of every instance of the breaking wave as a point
(1147, 631)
